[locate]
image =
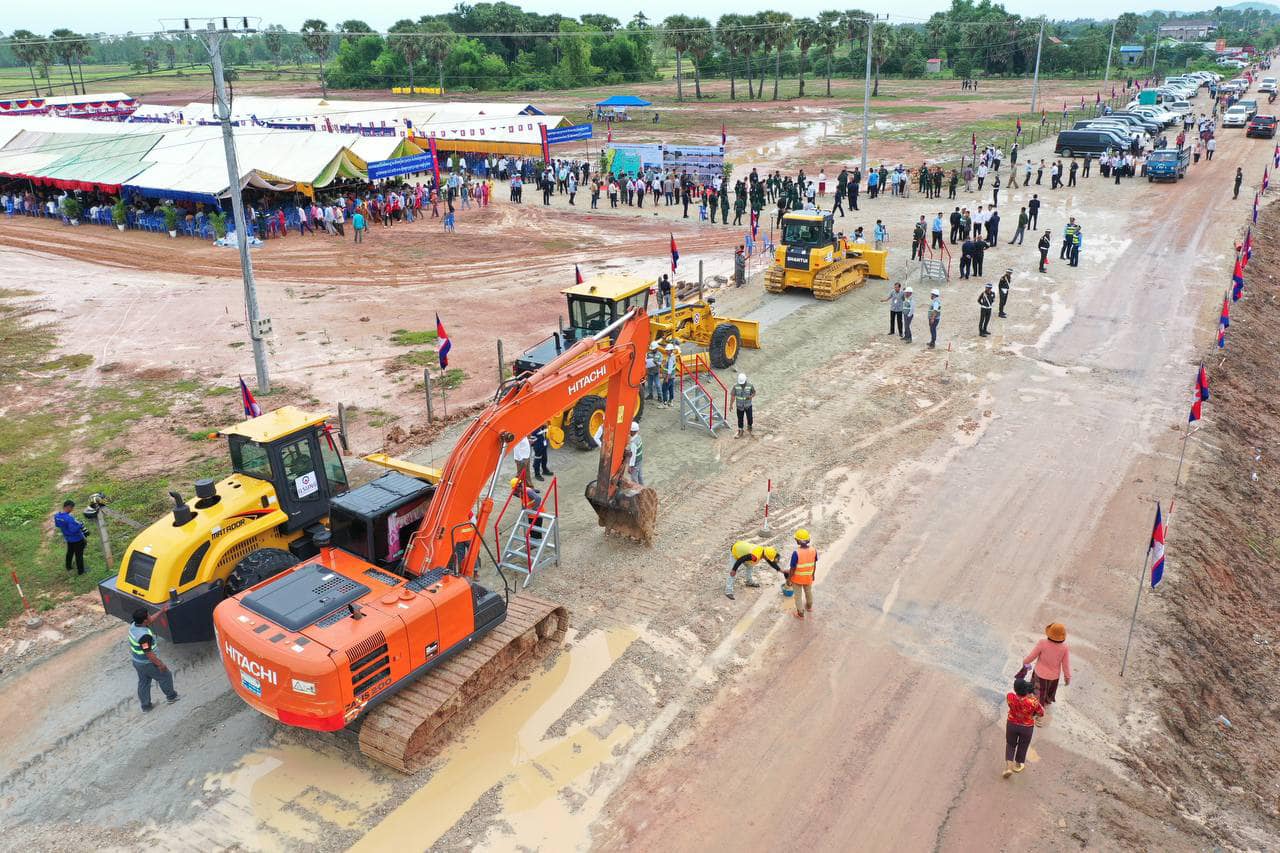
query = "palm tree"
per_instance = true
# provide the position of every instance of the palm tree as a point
(729, 33)
(63, 42)
(855, 27)
(829, 32)
(882, 44)
(805, 33)
(406, 39)
(677, 36)
(700, 44)
(28, 47)
(779, 38)
(438, 43)
(318, 39)
(747, 43)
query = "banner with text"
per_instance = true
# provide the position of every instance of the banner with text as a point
(382, 169)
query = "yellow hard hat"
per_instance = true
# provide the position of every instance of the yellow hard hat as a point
(802, 535)
(515, 481)
(770, 553)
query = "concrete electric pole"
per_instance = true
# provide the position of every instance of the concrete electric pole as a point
(1106, 78)
(213, 38)
(1035, 81)
(866, 95)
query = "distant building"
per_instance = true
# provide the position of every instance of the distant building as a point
(1189, 30)
(1130, 54)
(933, 66)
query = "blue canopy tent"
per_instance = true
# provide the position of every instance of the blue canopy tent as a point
(624, 101)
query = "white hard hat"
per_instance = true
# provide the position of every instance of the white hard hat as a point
(672, 347)
(742, 379)
(655, 345)
(936, 292)
(909, 290)
(635, 427)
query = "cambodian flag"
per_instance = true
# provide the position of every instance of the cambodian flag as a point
(1202, 383)
(1156, 549)
(251, 407)
(1222, 338)
(1097, 97)
(1113, 91)
(724, 139)
(609, 138)
(1237, 282)
(1276, 157)
(675, 254)
(1247, 253)
(1266, 178)
(1019, 131)
(755, 223)
(443, 345)
(1225, 318)
(1255, 208)
(577, 276)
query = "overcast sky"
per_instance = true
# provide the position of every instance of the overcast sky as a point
(142, 15)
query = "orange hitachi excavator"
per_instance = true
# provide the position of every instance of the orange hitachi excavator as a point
(325, 641)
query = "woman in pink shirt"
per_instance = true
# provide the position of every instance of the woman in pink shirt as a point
(1052, 661)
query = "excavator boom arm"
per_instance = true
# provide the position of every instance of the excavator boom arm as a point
(470, 472)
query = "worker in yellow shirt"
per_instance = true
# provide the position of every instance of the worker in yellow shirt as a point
(804, 563)
(747, 554)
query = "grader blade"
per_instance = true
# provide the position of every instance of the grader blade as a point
(632, 512)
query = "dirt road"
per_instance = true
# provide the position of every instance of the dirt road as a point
(880, 719)
(961, 499)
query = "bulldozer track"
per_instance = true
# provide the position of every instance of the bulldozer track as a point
(408, 729)
(833, 281)
(774, 277)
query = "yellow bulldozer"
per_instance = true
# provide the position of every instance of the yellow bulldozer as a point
(812, 257)
(285, 468)
(598, 303)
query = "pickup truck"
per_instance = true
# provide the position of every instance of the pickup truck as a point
(1168, 164)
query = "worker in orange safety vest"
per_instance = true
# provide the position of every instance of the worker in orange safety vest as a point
(804, 563)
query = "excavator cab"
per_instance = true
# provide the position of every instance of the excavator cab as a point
(285, 468)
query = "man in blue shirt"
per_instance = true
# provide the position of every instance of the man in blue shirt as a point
(73, 533)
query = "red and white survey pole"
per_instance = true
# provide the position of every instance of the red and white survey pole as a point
(767, 491)
(32, 619)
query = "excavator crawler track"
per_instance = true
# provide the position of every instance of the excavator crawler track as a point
(833, 281)
(408, 729)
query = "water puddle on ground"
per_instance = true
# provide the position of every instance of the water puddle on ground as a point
(281, 797)
(509, 748)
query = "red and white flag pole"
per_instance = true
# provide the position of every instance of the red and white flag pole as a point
(767, 492)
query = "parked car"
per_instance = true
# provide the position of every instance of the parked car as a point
(1262, 127)
(1136, 121)
(1155, 113)
(1089, 141)
(1180, 108)
(1236, 116)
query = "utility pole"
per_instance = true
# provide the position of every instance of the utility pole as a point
(1155, 53)
(1106, 78)
(1035, 81)
(867, 91)
(213, 38)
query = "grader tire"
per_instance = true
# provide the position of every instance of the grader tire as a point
(726, 340)
(257, 566)
(588, 413)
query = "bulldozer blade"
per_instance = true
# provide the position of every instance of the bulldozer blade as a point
(632, 512)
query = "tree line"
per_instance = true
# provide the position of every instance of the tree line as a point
(497, 45)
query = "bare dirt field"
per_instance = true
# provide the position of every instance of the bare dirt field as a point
(960, 498)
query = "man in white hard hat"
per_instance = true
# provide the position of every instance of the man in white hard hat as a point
(908, 313)
(670, 367)
(635, 454)
(935, 316)
(653, 372)
(743, 393)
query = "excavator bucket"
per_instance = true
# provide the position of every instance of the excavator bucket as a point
(631, 512)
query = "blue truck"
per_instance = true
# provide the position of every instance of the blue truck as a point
(1168, 164)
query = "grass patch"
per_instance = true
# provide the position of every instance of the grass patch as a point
(75, 361)
(892, 109)
(406, 338)
(419, 358)
(220, 391)
(38, 442)
(378, 418)
(453, 377)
